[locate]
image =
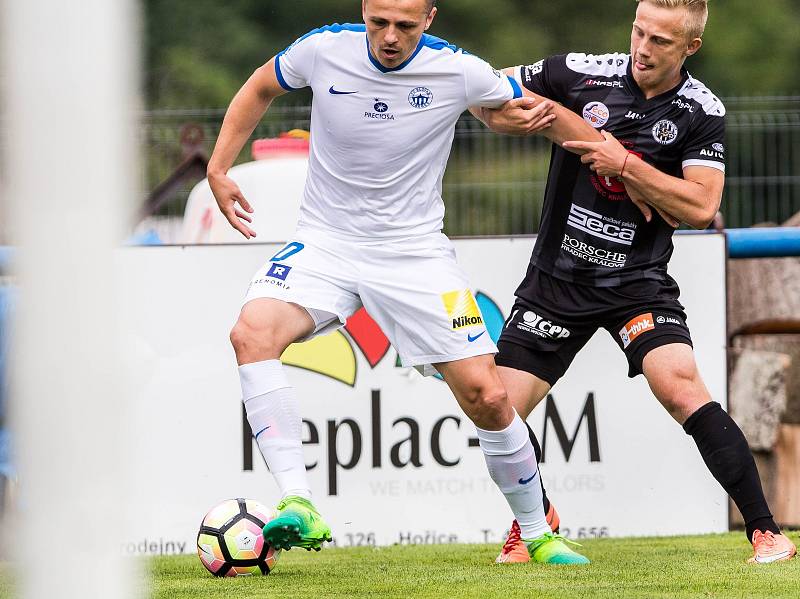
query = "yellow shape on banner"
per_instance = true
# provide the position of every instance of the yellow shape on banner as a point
(330, 355)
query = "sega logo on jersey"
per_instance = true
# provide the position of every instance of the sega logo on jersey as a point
(593, 224)
(462, 309)
(278, 271)
(596, 114)
(635, 327)
(532, 69)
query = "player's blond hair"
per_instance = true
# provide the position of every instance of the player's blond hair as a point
(696, 14)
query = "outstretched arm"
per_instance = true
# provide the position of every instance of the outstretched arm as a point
(536, 114)
(245, 111)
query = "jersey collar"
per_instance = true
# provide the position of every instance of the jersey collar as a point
(382, 68)
(640, 94)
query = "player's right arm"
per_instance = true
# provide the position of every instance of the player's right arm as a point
(245, 111)
(535, 113)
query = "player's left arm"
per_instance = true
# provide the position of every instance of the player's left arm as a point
(693, 199)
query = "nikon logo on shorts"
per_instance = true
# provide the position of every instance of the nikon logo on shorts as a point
(466, 321)
(462, 309)
(636, 327)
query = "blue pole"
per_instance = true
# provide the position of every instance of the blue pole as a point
(767, 242)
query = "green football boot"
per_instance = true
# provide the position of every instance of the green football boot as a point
(298, 524)
(552, 548)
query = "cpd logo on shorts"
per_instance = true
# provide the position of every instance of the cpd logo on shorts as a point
(596, 114)
(531, 322)
(462, 309)
(635, 327)
(665, 132)
(420, 97)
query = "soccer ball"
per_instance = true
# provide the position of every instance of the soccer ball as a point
(230, 542)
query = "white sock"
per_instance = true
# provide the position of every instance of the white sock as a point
(274, 416)
(511, 461)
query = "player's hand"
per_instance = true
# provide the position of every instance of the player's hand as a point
(521, 116)
(228, 194)
(606, 157)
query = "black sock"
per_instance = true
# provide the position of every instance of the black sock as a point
(538, 450)
(727, 456)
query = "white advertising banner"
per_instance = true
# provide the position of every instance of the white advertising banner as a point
(391, 457)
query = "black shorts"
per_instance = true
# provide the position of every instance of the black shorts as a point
(553, 319)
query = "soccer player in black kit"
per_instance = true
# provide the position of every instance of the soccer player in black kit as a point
(601, 256)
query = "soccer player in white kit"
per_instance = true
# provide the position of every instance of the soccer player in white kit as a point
(386, 100)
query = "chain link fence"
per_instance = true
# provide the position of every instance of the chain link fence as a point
(494, 184)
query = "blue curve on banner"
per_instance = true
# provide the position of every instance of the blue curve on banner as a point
(492, 318)
(492, 315)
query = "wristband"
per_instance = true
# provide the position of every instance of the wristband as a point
(624, 163)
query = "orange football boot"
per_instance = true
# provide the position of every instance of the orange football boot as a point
(514, 550)
(769, 547)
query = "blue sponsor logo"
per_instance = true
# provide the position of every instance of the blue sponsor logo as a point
(336, 92)
(472, 338)
(525, 481)
(420, 97)
(381, 106)
(278, 271)
(289, 250)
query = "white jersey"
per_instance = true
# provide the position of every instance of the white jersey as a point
(380, 138)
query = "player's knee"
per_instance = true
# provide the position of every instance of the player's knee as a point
(487, 406)
(253, 343)
(685, 393)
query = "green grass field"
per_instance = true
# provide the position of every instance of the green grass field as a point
(698, 567)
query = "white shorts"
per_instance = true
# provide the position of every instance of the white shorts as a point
(413, 288)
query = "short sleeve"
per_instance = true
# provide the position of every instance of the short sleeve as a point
(706, 141)
(295, 64)
(550, 77)
(486, 86)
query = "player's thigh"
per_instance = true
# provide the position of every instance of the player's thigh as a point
(524, 390)
(640, 330)
(421, 299)
(540, 339)
(266, 327)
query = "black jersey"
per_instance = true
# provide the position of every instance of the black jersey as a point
(591, 232)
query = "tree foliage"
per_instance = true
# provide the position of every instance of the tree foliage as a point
(199, 52)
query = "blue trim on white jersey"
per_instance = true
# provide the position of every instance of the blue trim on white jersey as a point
(426, 41)
(437, 43)
(335, 28)
(384, 69)
(278, 73)
(515, 86)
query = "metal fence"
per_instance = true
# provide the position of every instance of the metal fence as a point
(494, 184)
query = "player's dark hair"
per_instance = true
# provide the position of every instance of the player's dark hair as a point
(431, 4)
